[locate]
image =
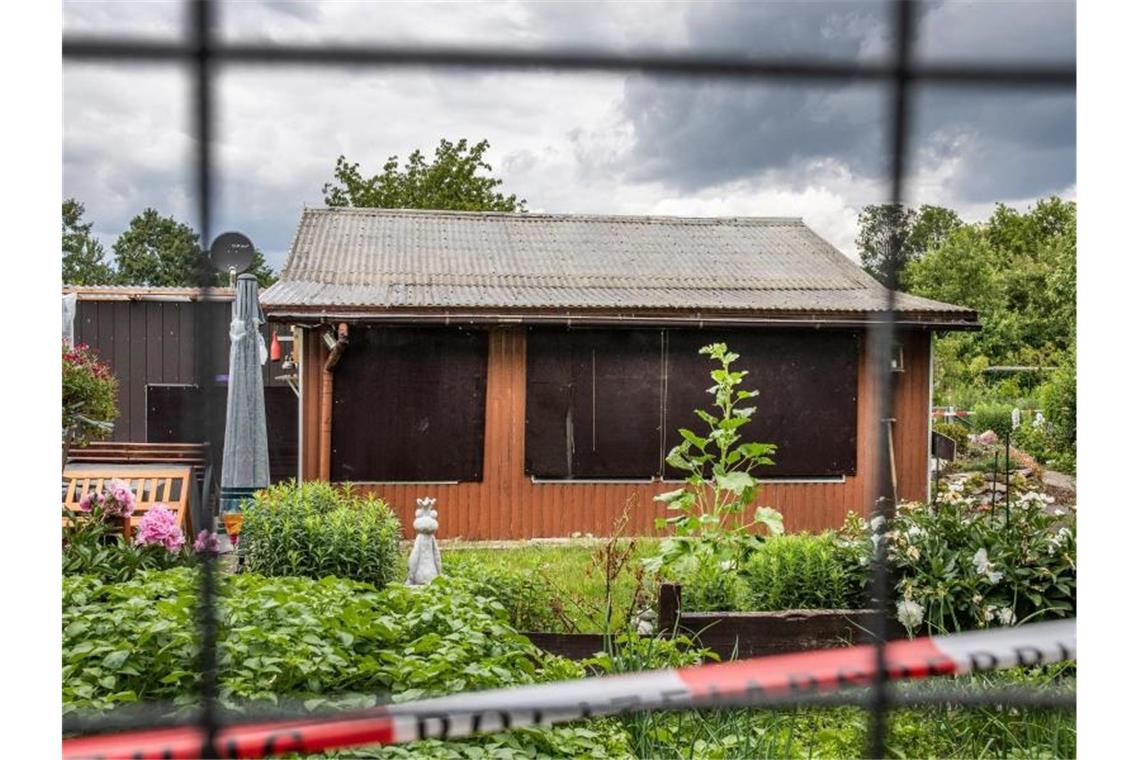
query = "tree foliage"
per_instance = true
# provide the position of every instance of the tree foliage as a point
(1018, 270)
(83, 262)
(154, 251)
(452, 181)
(158, 251)
(917, 232)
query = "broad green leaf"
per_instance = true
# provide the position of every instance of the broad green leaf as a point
(771, 519)
(735, 481)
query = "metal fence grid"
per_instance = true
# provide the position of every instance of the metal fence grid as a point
(202, 53)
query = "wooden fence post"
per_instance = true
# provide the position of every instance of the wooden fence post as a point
(669, 608)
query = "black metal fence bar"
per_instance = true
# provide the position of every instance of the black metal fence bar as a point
(657, 64)
(202, 54)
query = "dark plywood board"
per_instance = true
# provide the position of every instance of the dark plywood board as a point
(409, 405)
(171, 414)
(281, 431)
(593, 403)
(808, 384)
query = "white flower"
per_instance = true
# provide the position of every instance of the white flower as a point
(1058, 511)
(914, 532)
(1005, 616)
(913, 553)
(984, 567)
(981, 560)
(988, 612)
(909, 614)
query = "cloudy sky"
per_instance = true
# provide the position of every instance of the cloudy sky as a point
(571, 143)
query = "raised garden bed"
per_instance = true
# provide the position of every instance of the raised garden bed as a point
(735, 634)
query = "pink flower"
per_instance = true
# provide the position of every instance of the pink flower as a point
(206, 542)
(85, 502)
(159, 526)
(122, 502)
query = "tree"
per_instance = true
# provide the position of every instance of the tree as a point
(450, 182)
(917, 232)
(83, 262)
(932, 224)
(158, 251)
(882, 226)
(1018, 271)
(261, 269)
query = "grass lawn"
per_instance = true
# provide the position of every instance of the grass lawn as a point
(573, 572)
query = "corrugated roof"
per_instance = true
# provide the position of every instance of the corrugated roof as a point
(373, 260)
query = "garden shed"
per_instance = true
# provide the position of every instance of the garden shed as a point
(148, 337)
(531, 370)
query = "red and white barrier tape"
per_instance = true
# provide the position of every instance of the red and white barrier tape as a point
(461, 715)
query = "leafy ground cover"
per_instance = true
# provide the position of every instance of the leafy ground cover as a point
(337, 642)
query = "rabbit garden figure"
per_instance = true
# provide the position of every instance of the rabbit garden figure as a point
(424, 562)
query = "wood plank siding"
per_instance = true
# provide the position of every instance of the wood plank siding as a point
(508, 504)
(150, 343)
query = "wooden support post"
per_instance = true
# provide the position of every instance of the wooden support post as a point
(325, 445)
(669, 608)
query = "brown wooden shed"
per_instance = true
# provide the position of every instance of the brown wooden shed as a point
(531, 370)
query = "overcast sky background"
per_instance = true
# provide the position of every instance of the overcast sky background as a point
(573, 143)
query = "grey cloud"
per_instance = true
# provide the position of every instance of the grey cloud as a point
(693, 135)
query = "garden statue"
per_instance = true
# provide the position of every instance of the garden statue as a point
(424, 562)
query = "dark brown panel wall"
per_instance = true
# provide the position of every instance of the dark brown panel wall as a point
(409, 404)
(507, 503)
(152, 350)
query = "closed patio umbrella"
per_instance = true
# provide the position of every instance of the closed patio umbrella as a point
(245, 457)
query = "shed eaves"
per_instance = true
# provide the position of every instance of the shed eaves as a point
(378, 259)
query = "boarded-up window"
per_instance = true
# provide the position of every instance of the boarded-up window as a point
(598, 401)
(808, 384)
(408, 405)
(593, 403)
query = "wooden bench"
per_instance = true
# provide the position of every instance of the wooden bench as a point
(170, 486)
(196, 456)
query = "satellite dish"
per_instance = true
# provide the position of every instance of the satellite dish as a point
(231, 252)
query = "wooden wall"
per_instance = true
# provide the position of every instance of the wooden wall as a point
(507, 504)
(153, 342)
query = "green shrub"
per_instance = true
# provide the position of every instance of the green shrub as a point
(527, 597)
(712, 589)
(961, 565)
(995, 417)
(89, 396)
(316, 529)
(803, 571)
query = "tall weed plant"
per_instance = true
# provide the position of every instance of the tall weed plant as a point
(316, 529)
(710, 520)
